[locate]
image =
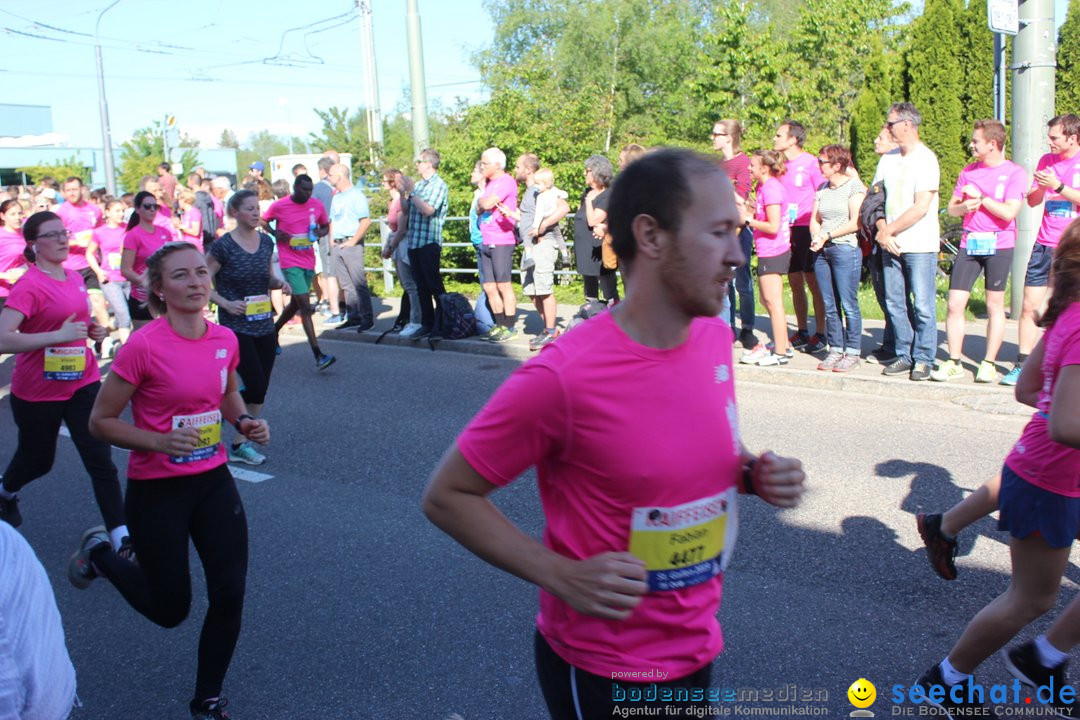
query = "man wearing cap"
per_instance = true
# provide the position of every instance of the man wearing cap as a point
(255, 170)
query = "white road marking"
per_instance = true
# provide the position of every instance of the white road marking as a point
(248, 475)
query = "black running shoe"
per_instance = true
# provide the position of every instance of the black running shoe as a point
(209, 709)
(81, 570)
(940, 549)
(1023, 663)
(9, 511)
(933, 677)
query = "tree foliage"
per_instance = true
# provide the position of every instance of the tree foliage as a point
(141, 155)
(1067, 99)
(60, 170)
(936, 86)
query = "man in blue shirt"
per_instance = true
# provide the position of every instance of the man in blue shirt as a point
(349, 220)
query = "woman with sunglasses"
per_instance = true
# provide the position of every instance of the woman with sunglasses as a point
(143, 237)
(12, 247)
(46, 322)
(179, 487)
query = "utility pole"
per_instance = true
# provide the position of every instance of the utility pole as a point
(106, 133)
(371, 81)
(1034, 64)
(416, 79)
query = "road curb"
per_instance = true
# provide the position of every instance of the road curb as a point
(990, 398)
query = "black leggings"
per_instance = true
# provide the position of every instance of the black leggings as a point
(39, 424)
(257, 354)
(607, 282)
(163, 514)
(573, 694)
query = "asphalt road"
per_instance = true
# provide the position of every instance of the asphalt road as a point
(358, 608)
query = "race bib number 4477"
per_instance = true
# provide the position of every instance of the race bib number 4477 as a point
(687, 544)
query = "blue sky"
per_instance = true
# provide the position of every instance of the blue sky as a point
(203, 61)
(217, 64)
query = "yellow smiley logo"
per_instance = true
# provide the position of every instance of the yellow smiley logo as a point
(862, 693)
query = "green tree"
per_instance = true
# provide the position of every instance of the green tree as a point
(935, 85)
(881, 87)
(741, 72)
(347, 134)
(141, 155)
(228, 140)
(61, 170)
(830, 43)
(976, 65)
(260, 146)
(1067, 81)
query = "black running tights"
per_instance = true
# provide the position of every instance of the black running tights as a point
(162, 514)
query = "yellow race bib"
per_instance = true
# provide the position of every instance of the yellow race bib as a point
(113, 260)
(258, 307)
(65, 363)
(209, 426)
(82, 238)
(300, 242)
(687, 544)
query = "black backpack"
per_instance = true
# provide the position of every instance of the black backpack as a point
(457, 321)
(871, 210)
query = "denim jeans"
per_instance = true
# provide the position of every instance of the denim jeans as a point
(877, 279)
(916, 337)
(744, 285)
(837, 268)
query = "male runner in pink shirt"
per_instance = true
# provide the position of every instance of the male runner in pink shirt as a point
(637, 453)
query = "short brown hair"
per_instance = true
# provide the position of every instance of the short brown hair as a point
(530, 161)
(1070, 124)
(836, 155)
(993, 131)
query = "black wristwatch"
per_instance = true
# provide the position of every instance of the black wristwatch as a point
(1059, 188)
(236, 422)
(748, 478)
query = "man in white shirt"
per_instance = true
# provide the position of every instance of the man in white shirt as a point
(910, 236)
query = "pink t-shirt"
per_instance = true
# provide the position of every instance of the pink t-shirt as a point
(771, 192)
(1057, 211)
(56, 372)
(1003, 182)
(143, 244)
(163, 220)
(496, 228)
(80, 220)
(219, 209)
(191, 228)
(110, 242)
(801, 181)
(12, 247)
(393, 214)
(295, 218)
(157, 361)
(636, 449)
(1035, 457)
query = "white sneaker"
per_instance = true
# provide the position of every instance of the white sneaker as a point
(410, 330)
(772, 359)
(246, 453)
(751, 357)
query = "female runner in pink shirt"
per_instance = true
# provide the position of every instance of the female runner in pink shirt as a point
(1039, 506)
(179, 486)
(12, 247)
(46, 323)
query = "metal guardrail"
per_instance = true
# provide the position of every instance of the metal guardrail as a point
(389, 271)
